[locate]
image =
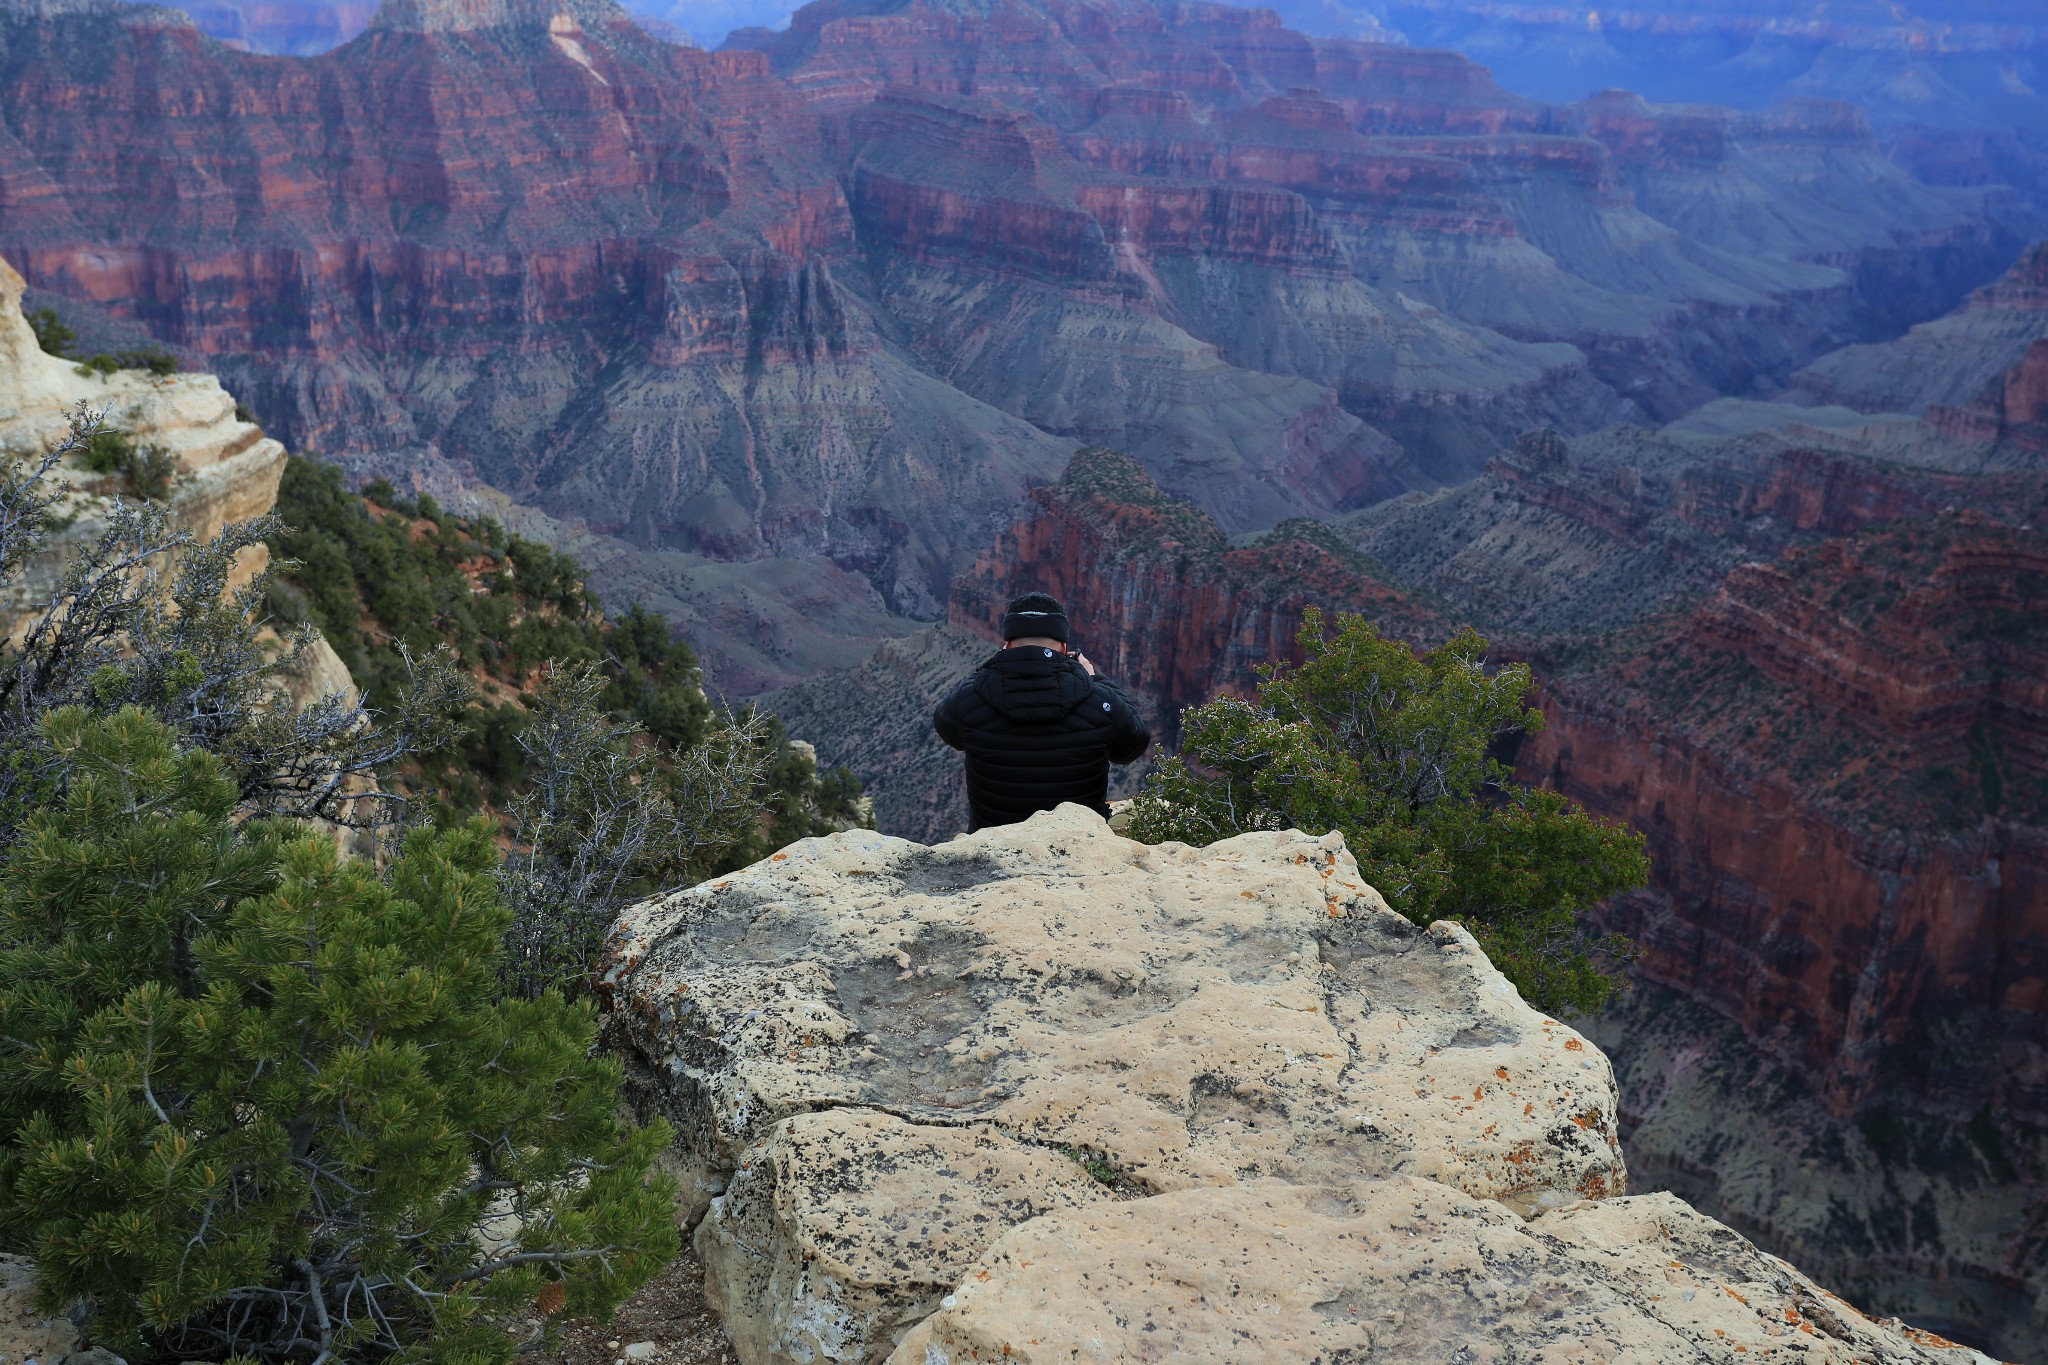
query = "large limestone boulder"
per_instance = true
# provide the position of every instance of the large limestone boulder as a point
(989, 1019)
(228, 470)
(1397, 1270)
(1046, 1094)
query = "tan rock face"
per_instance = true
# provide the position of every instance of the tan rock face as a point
(228, 470)
(29, 1336)
(1045, 1094)
(851, 1225)
(1397, 1270)
(881, 1056)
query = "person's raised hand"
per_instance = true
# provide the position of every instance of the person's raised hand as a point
(1082, 659)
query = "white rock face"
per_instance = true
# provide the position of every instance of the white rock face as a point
(1399, 1269)
(28, 1336)
(228, 470)
(1045, 1094)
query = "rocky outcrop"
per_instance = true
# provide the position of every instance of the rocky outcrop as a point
(227, 469)
(1042, 1091)
(32, 1337)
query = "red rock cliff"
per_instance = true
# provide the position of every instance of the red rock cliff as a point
(1841, 761)
(1158, 597)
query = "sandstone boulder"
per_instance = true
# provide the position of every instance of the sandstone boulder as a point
(1391, 1270)
(882, 1056)
(228, 470)
(1046, 1094)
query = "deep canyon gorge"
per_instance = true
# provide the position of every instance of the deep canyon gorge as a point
(1733, 421)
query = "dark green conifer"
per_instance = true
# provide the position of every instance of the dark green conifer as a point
(259, 1101)
(1399, 752)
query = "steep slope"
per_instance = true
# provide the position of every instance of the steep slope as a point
(876, 719)
(1950, 362)
(1841, 762)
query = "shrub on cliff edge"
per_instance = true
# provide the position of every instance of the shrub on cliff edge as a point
(148, 614)
(262, 1102)
(1396, 751)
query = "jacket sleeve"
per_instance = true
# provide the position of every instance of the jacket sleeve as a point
(947, 719)
(1128, 735)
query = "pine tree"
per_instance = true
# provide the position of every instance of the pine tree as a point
(1397, 751)
(258, 1101)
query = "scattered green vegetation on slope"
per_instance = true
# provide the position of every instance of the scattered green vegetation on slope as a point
(264, 1103)
(259, 1101)
(384, 575)
(57, 339)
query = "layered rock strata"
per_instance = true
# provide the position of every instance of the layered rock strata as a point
(1806, 716)
(1042, 1090)
(1946, 363)
(829, 301)
(1839, 762)
(227, 470)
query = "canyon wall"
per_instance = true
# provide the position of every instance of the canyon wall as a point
(828, 301)
(1158, 597)
(1951, 362)
(1839, 763)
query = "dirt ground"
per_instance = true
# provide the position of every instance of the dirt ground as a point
(669, 1311)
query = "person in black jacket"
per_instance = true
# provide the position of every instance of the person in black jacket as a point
(1038, 725)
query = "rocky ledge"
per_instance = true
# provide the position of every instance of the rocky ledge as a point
(227, 470)
(1042, 1093)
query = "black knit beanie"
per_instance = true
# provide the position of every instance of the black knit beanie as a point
(1035, 613)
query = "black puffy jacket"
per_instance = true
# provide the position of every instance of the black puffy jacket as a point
(1037, 730)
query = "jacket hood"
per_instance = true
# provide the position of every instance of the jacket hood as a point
(1031, 683)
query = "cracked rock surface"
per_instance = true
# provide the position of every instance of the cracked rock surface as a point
(1391, 1270)
(895, 1070)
